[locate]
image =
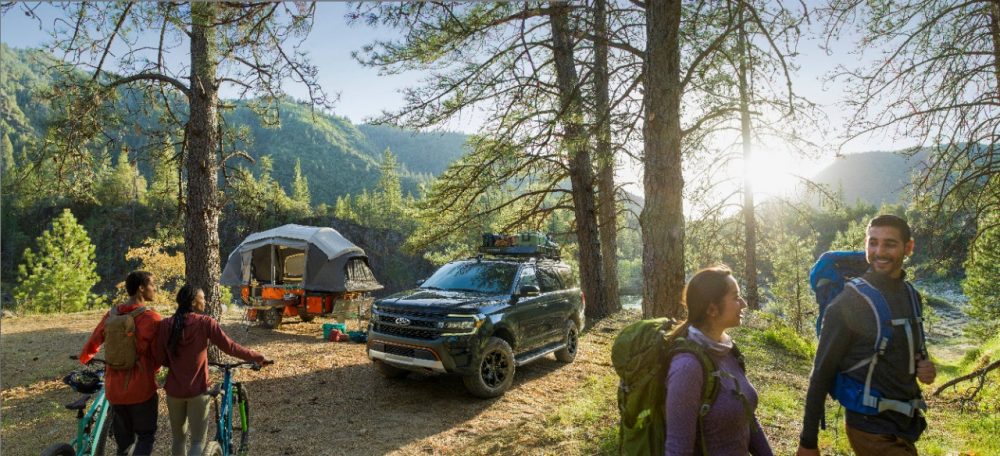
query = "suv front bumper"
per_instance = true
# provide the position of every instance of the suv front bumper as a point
(445, 354)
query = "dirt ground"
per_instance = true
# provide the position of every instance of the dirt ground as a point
(320, 398)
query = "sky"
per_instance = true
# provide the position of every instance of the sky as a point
(364, 94)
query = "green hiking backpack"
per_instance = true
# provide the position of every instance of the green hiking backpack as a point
(641, 357)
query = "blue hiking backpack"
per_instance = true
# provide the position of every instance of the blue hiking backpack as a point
(833, 272)
(829, 275)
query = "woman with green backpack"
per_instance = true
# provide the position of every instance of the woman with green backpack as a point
(710, 403)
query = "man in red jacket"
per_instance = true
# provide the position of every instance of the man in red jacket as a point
(132, 392)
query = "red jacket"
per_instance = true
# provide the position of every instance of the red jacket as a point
(139, 384)
(188, 374)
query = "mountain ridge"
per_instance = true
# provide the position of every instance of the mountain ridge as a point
(336, 156)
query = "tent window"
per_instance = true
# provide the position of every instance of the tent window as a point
(295, 265)
(359, 276)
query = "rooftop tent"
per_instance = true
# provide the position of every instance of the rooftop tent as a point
(316, 258)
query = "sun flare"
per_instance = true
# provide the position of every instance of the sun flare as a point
(776, 172)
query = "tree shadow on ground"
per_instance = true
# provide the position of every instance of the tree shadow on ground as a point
(354, 410)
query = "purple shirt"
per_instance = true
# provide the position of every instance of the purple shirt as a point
(728, 431)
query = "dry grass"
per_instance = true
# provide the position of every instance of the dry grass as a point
(320, 398)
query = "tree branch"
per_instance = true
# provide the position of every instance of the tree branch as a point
(152, 77)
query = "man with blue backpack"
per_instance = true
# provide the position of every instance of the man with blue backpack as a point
(871, 345)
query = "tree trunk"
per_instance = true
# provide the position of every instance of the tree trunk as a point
(749, 219)
(607, 215)
(201, 228)
(580, 165)
(662, 218)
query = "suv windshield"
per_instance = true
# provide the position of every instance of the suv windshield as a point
(481, 277)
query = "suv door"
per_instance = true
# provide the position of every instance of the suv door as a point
(530, 311)
(560, 304)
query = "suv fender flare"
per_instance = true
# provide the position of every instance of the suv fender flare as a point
(503, 332)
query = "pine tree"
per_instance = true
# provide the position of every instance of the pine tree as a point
(982, 269)
(164, 187)
(300, 187)
(343, 209)
(388, 198)
(791, 258)
(121, 185)
(6, 155)
(60, 276)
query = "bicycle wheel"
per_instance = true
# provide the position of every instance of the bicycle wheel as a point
(59, 449)
(212, 449)
(243, 426)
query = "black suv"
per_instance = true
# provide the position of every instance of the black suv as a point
(479, 318)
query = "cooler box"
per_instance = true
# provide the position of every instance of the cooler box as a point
(329, 327)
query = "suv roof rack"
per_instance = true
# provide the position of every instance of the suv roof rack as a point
(522, 252)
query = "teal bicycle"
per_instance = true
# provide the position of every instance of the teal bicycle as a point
(92, 426)
(230, 398)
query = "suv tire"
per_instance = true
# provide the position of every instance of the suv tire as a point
(389, 371)
(568, 353)
(495, 373)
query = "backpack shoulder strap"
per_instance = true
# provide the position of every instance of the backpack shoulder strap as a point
(740, 358)
(918, 316)
(138, 311)
(709, 387)
(880, 308)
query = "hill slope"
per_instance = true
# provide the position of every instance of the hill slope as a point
(336, 156)
(872, 177)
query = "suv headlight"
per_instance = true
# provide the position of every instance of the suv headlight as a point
(465, 325)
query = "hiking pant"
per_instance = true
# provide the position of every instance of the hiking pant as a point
(135, 423)
(866, 444)
(188, 414)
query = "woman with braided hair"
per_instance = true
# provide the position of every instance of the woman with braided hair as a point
(182, 346)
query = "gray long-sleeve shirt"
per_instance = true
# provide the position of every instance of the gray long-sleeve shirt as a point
(847, 337)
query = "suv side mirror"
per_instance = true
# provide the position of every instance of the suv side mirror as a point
(421, 282)
(530, 290)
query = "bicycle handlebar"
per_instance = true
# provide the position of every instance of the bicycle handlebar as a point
(92, 360)
(227, 366)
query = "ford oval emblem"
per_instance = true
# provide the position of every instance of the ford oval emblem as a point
(402, 321)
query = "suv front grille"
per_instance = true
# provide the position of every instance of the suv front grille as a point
(391, 319)
(404, 331)
(409, 323)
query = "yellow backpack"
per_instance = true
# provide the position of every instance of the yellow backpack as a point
(119, 339)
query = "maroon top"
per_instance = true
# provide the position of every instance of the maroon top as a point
(188, 375)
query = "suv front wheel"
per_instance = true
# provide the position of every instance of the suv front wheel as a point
(496, 370)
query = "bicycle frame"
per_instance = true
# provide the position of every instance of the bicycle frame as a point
(86, 440)
(224, 410)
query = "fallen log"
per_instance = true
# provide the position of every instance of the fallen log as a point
(980, 373)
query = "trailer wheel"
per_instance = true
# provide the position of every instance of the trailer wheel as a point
(303, 314)
(270, 318)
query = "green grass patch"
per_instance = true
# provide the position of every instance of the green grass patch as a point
(785, 338)
(593, 416)
(950, 431)
(778, 400)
